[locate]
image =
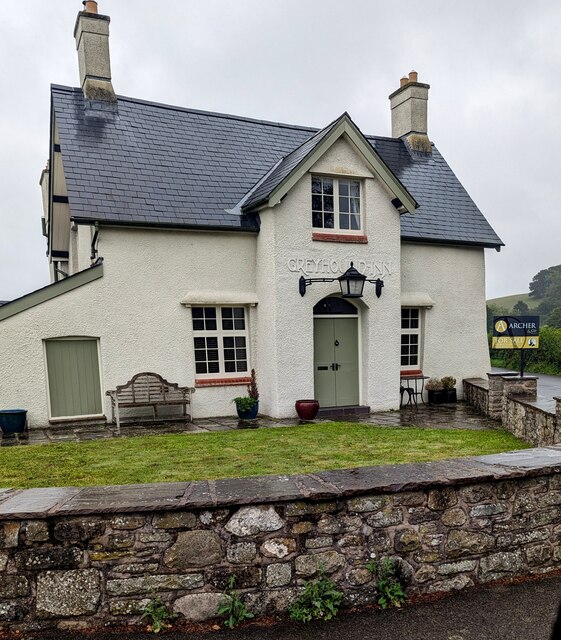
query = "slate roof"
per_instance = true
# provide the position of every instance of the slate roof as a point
(160, 165)
(285, 166)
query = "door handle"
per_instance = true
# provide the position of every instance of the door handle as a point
(335, 366)
(323, 368)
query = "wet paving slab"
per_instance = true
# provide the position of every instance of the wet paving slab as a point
(453, 416)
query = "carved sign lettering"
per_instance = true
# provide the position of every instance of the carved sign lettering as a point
(325, 266)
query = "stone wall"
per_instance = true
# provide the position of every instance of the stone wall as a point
(476, 394)
(513, 400)
(80, 558)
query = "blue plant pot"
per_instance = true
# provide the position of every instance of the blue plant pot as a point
(13, 420)
(249, 415)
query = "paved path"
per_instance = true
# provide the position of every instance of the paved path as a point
(519, 612)
(454, 416)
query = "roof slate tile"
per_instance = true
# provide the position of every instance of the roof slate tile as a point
(156, 164)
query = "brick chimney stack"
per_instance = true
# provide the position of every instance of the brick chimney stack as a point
(409, 107)
(92, 42)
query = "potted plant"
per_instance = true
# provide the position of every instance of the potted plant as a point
(435, 391)
(248, 406)
(13, 421)
(449, 387)
(307, 409)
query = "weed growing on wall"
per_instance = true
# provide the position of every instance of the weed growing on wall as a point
(390, 585)
(233, 608)
(320, 601)
(158, 615)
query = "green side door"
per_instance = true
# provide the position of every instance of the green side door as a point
(73, 374)
(336, 375)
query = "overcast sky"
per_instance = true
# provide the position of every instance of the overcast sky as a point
(494, 102)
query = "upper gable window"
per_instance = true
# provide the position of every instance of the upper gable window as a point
(336, 204)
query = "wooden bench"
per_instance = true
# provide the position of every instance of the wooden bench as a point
(149, 390)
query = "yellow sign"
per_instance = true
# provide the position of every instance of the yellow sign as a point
(515, 342)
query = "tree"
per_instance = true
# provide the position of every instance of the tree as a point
(554, 318)
(492, 311)
(544, 281)
(521, 308)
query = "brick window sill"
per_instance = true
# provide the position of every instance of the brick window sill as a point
(339, 237)
(222, 382)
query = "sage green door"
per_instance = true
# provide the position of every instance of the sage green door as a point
(336, 361)
(73, 374)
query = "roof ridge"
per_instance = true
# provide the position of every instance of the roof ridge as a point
(228, 116)
(216, 114)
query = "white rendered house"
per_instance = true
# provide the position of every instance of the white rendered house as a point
(177, 240)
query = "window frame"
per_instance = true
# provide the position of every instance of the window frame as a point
(337, 229)
(220, 333)
(409, 331)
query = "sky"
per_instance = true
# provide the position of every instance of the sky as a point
(494, 102)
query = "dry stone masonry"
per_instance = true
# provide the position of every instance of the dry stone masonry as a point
(81, 558)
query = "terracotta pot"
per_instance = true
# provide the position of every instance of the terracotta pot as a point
(307, 409)
(90, 6)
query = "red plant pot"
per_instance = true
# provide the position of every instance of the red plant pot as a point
(307, 409)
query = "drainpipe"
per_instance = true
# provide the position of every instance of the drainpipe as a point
(93, 255)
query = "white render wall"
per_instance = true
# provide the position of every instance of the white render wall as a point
(455, 333)
(285, 360)
(135, 310)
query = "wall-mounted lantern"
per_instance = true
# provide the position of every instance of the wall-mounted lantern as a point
(351, 283)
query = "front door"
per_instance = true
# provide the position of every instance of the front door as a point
(336, 361)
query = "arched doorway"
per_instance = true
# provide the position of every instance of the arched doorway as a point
(336, 362)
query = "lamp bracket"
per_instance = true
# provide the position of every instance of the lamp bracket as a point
(306, 282)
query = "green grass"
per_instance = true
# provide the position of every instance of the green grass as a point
(180, 457)
(508, 302)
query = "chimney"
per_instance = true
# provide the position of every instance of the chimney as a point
(92, 42)
(409, 108)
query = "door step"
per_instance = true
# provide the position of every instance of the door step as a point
(336, 412)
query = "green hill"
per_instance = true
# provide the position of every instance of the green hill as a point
(507, 302)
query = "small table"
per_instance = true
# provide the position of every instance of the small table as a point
(415, 387)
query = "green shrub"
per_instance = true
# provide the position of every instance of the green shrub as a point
(158, 615)
(448, 382)
(434, 384)
(233, 608)
(320, 601)
(245, 403)
(390, 584)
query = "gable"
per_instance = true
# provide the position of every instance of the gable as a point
(290, 169)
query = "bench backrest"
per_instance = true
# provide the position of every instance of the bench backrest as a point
(150, 387)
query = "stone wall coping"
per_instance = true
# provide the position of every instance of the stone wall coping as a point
(477, 382)
(529, 400)
(16, 504)
(502, 374)
(518, 377)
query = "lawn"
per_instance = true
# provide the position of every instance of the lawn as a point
(180, 457)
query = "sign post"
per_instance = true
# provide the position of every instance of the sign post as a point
(516, 332)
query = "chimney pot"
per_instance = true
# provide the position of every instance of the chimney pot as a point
(413, 76)
(403, 81)
(90, 6)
